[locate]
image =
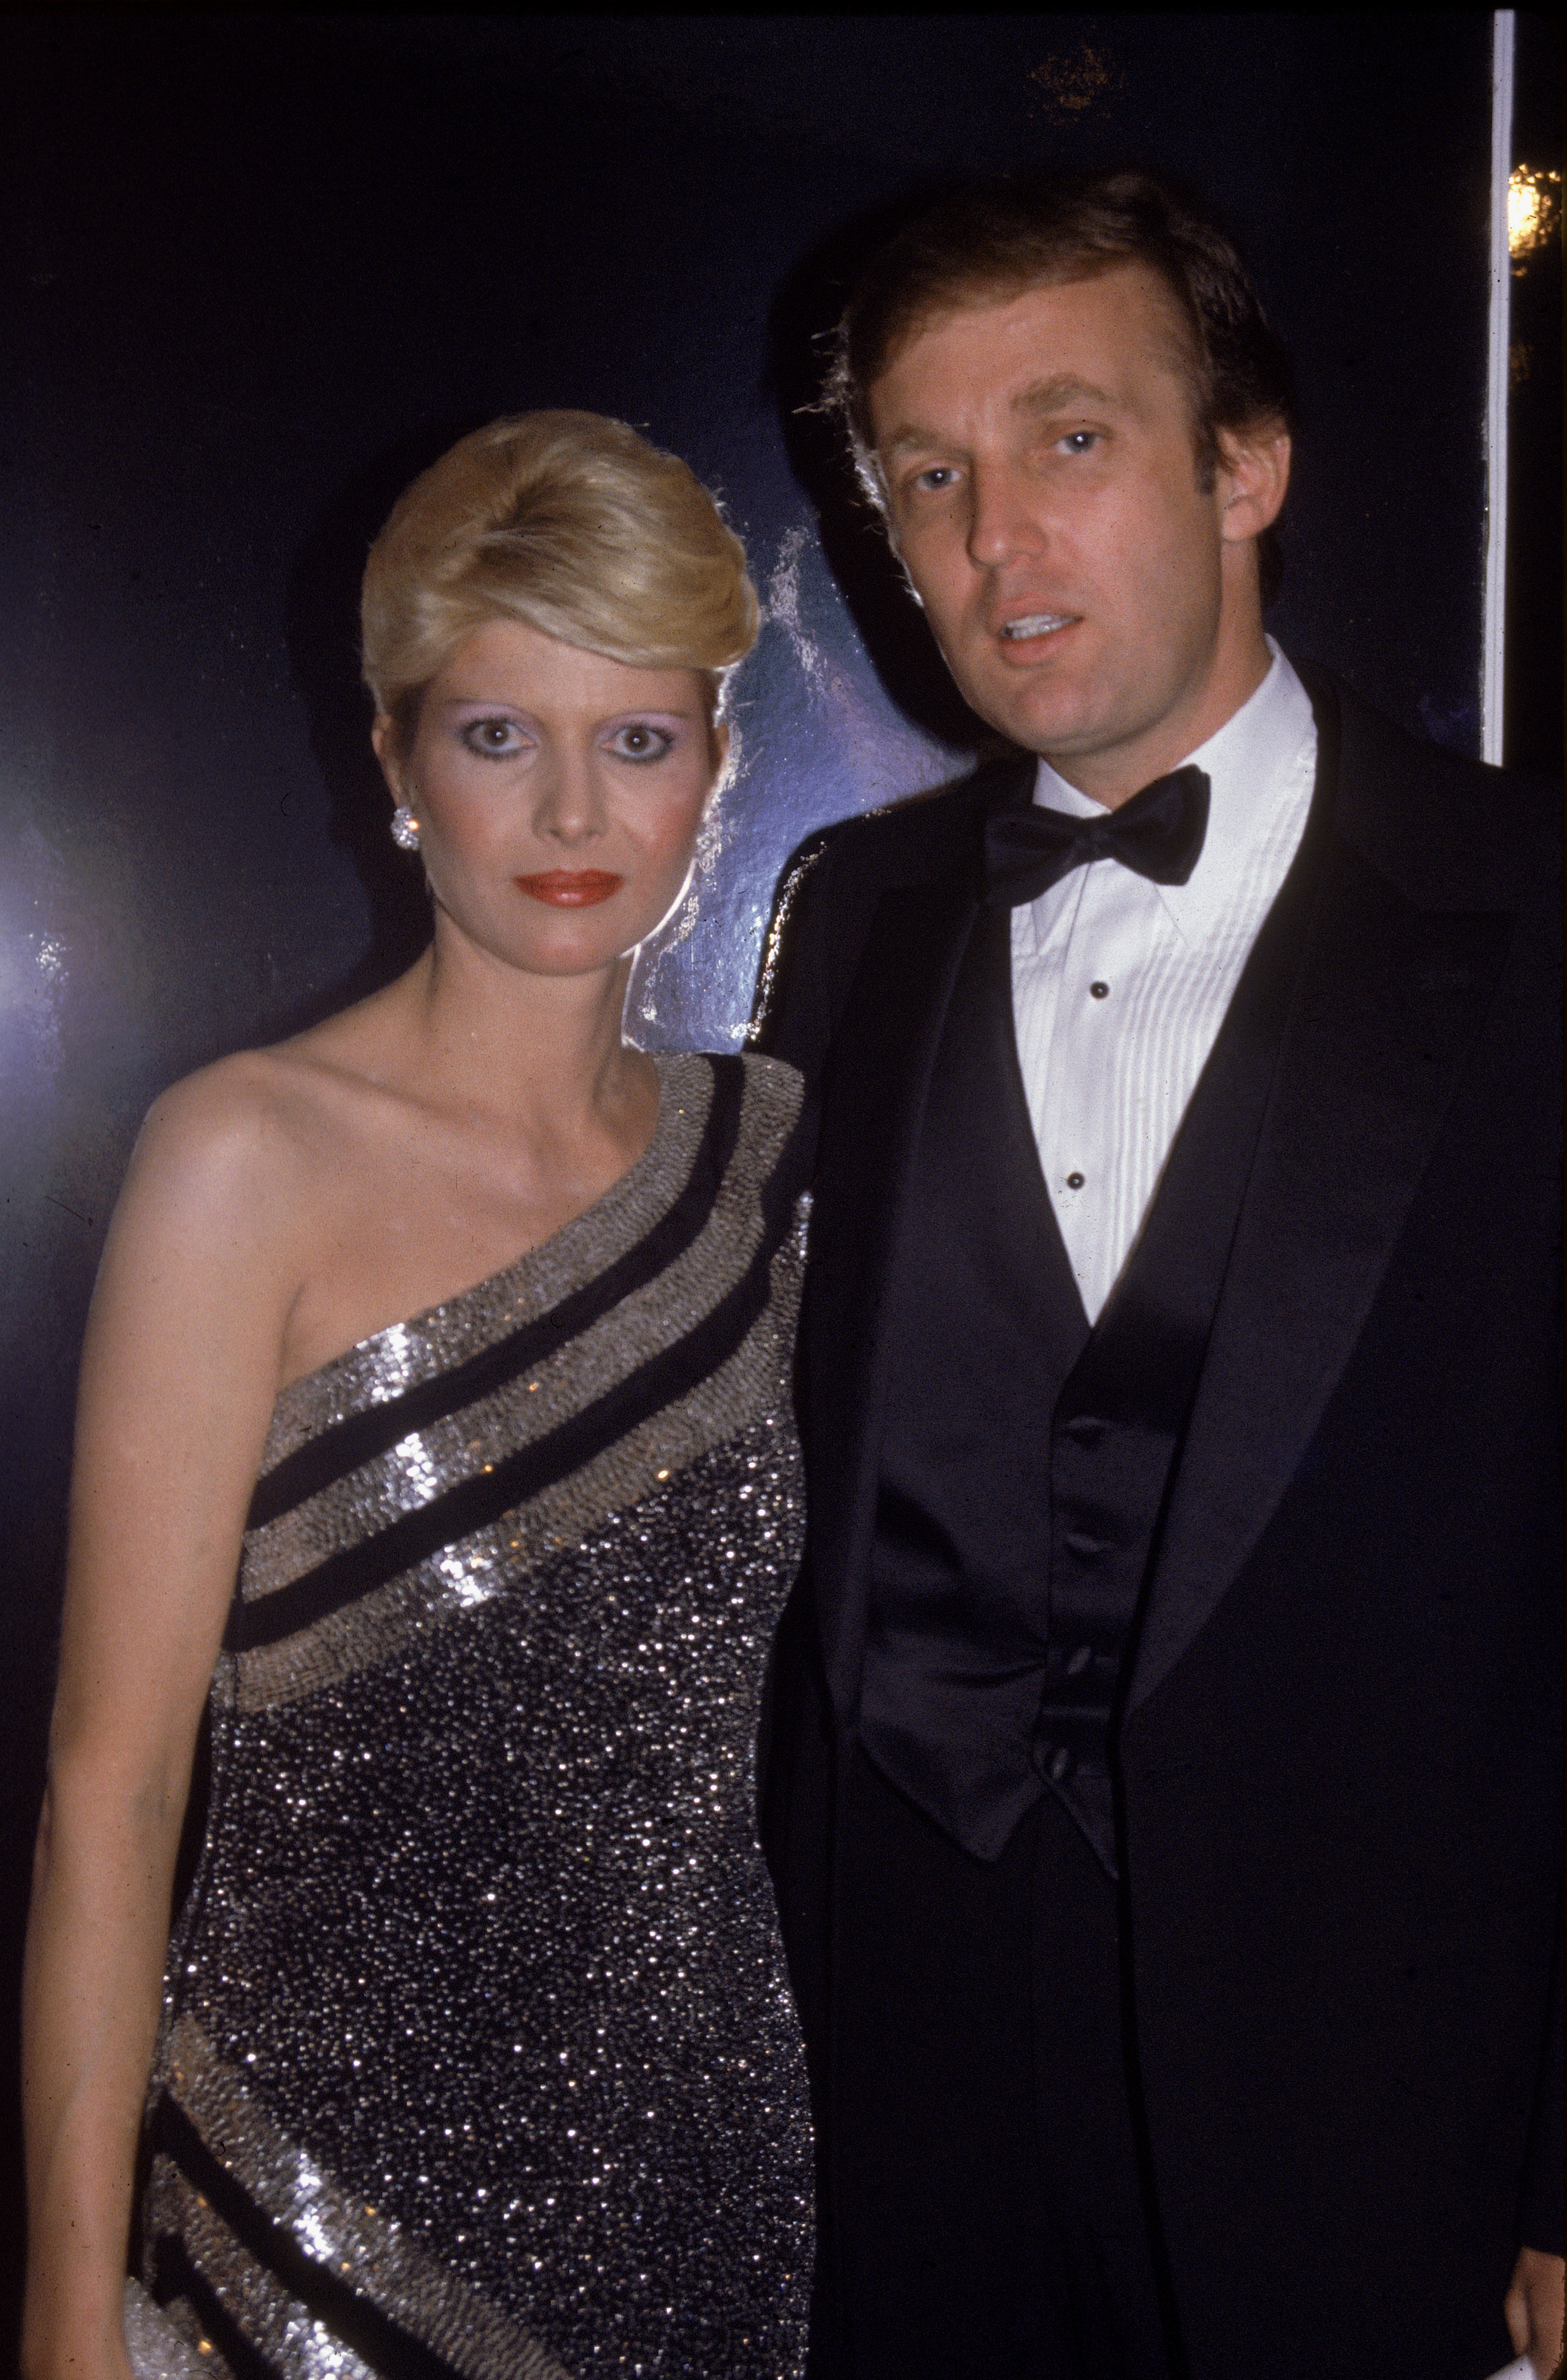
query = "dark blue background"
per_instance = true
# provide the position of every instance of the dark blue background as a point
(257, 271)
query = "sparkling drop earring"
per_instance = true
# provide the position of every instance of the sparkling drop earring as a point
(405, 828)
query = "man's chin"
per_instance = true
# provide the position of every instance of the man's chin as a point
(1038, 718)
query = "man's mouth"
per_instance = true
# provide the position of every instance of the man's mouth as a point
(571, 888)
(1035, 624)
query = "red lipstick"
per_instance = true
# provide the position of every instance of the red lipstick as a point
(570, 887)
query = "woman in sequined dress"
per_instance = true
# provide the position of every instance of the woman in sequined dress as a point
(457, 1332)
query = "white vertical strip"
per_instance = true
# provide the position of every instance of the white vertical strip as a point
(1493, 631)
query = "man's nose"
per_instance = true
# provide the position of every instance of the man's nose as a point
(568, 801)
(1005, 522)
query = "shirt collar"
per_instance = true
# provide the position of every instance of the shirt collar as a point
(1259, 764)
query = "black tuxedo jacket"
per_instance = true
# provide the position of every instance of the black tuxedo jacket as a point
(1339, 1744)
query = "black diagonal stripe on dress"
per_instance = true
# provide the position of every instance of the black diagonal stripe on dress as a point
(174, 2275)
(485, 1497)
(352, 2318)
(343, 1446)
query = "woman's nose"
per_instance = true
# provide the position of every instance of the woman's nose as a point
(568, 806)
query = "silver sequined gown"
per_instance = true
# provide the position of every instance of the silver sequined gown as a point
(478, 2055)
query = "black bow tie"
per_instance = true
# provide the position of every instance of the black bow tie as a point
(1159, 833)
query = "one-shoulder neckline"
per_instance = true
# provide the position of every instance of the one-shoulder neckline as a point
(595, 1232)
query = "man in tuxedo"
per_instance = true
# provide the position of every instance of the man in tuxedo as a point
(1161, 1782)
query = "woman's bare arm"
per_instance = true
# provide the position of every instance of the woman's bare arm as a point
(179, 1374)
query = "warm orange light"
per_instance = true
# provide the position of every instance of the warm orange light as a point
(1533, 198)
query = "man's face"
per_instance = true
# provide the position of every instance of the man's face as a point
(1043, 483)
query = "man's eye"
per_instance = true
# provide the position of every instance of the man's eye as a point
(641, 742)
(1081, 442)
(935, 479)
(496, 739)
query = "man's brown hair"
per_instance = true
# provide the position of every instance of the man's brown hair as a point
(995, 239)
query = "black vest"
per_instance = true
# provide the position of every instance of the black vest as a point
(1025, 1458)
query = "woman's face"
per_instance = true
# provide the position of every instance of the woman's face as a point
(558, 795)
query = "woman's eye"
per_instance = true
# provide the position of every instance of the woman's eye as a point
(496, 739)
(639, 741)
(935, 480)
(1081, 442)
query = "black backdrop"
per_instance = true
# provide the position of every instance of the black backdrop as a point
(258, 269)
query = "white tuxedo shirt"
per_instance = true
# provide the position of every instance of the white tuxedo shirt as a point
(1120, 986)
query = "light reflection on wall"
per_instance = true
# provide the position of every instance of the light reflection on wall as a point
(819, 739)
(32, 983)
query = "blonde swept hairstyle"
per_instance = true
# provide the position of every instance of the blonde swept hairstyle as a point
(572, 524)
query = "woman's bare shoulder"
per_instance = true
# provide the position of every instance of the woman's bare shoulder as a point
(233, 1161)
(267, 1118)
(237, 1121)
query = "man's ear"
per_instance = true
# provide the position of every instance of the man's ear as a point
(1254, 475)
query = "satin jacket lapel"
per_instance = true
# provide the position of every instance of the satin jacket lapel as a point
(1390, 1001)
(873, 1106)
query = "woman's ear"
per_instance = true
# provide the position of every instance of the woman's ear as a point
(384, 744)
(721, 749)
